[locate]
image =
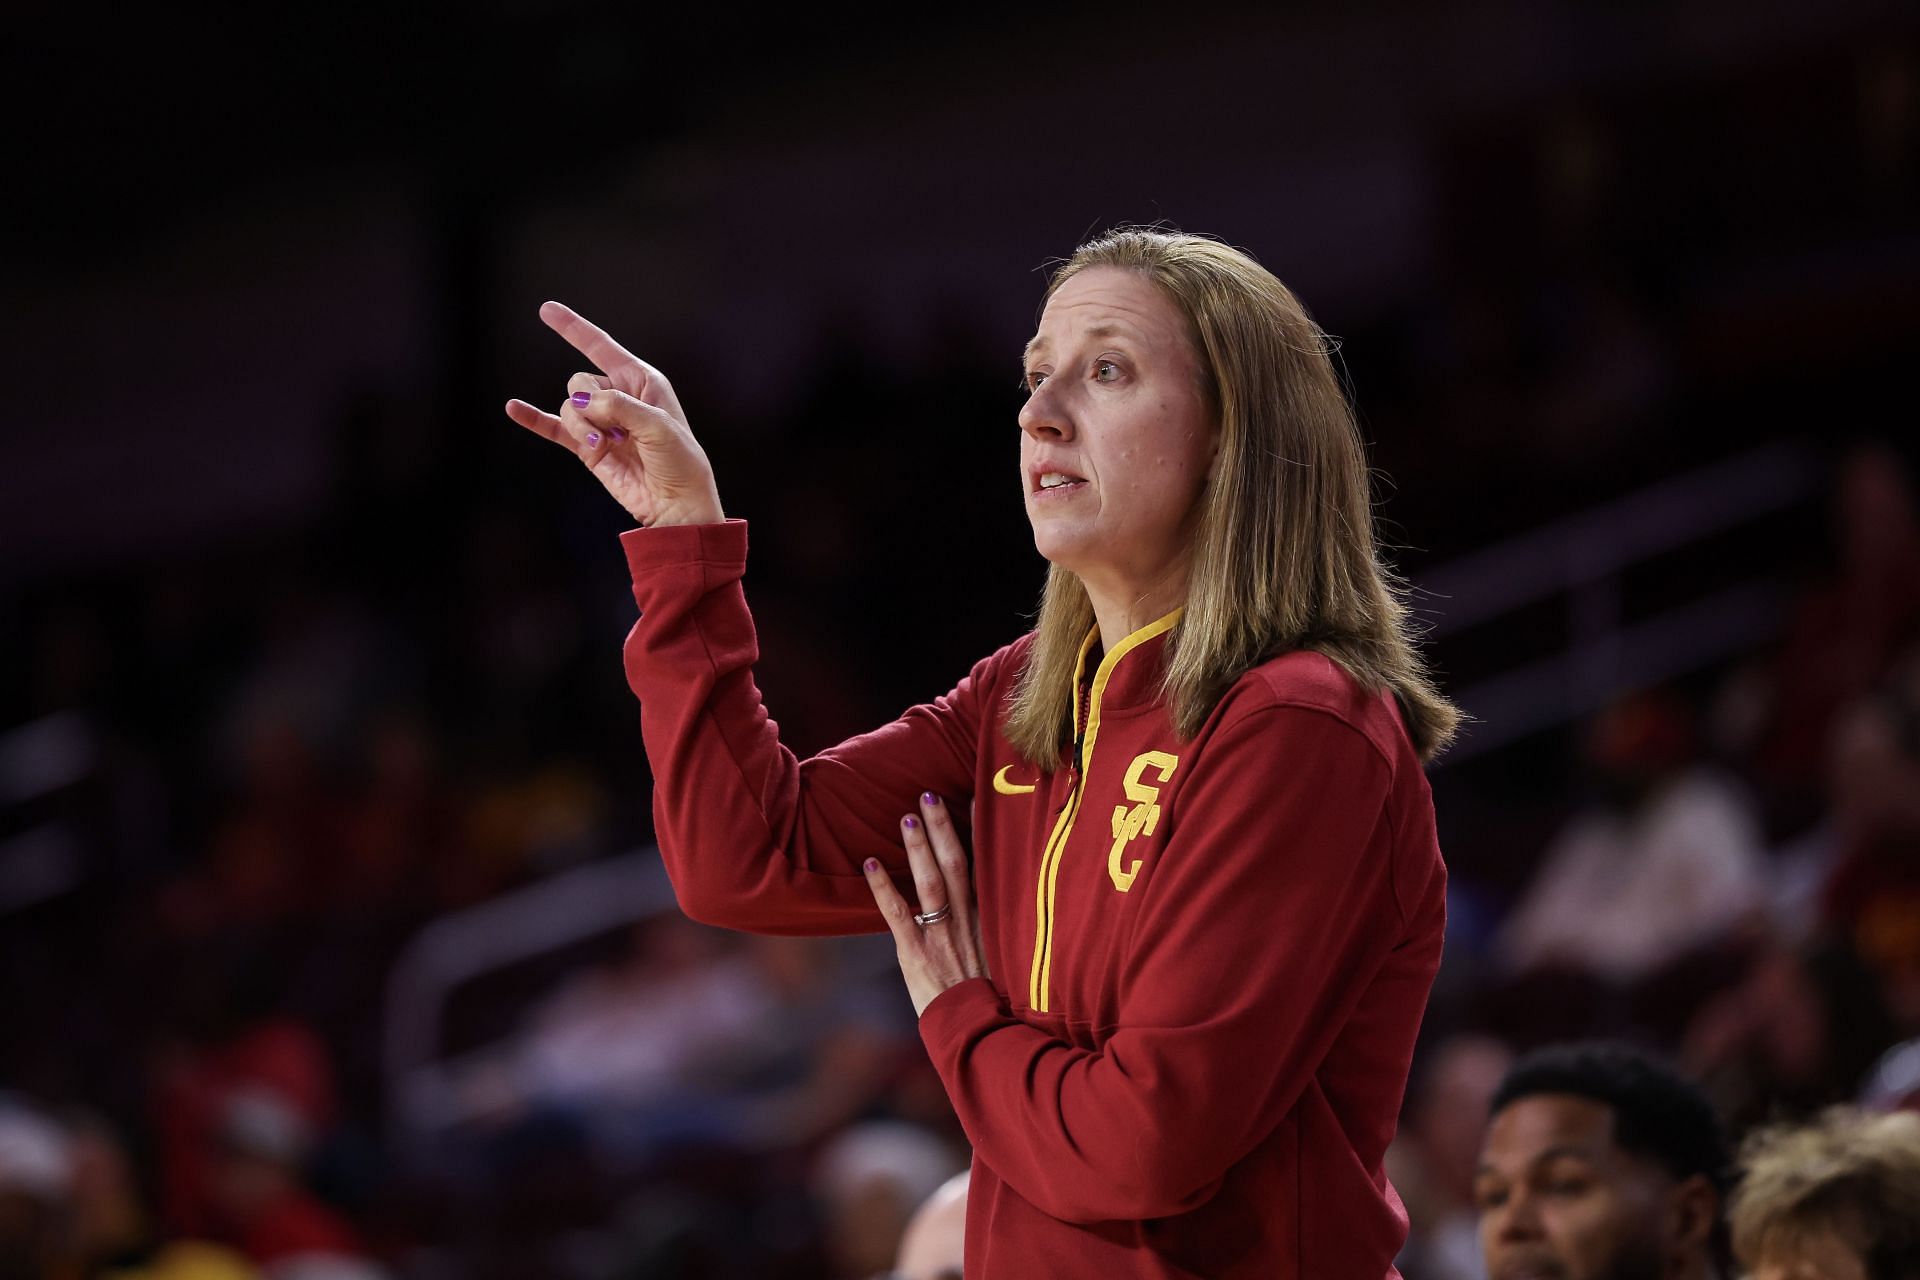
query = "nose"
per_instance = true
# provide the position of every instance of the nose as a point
(1517, 1219)
(1043, 417)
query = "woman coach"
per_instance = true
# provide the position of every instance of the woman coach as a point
(1209, 895)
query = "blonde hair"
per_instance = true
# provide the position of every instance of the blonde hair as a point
(1284, 555)
(1851, 1173)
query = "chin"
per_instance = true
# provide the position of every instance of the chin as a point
(1057, 551)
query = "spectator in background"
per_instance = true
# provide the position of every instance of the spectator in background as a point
(1796, 1032)
(868, 1181)
(1845, 633)
(617, 1047)
(36, 1191)
(111, 1225)
(1894, 1082)
(833, 1040)
(1837, 1199)
(399, 831)
(1872, 897)
(227, 1038)
(1434, 1158)
(934, 1243)
(1668, 858)
(275, 841)
(700, 1038)
(259, 1200)
(1600, 1164)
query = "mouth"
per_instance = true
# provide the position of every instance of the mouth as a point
(1050, 484)
(1530, 1269)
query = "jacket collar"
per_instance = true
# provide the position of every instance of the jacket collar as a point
(1129, 674)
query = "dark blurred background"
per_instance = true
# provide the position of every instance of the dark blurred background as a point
(331, 933)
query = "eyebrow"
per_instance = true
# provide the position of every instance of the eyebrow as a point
(1105, 329)
(1551, 1153)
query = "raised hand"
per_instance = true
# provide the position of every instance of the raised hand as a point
(626, 425)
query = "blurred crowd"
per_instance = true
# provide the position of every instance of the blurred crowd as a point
(193, 1065)
(1736, 886)
(238, 783)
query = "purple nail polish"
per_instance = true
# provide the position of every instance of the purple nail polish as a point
(911, 824)
(929, 799)
(618, 433)
(581, 399)
(593, 439)
(872, 864)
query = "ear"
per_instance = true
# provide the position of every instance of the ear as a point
(1693, 1207)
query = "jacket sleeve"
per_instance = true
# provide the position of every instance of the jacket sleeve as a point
(1272, 907)
(752, 838)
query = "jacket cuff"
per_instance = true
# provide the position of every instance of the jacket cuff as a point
(957, 1014)
(649, 550)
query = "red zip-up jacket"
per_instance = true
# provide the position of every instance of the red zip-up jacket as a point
(1209, 958)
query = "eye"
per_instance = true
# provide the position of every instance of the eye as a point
(1489, 1197)
(1032, 379)
(1566, 1186)
(1105, 371)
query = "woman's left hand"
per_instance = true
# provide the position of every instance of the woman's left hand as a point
(944, 951)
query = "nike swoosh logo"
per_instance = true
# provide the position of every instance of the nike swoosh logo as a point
(1006, 788)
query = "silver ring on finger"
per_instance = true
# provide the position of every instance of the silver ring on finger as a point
(933, 917)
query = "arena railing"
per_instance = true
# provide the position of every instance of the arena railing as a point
(426, 1091)
(1584, 559)
(44, 856)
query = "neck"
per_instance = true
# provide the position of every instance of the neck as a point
(1124, 611)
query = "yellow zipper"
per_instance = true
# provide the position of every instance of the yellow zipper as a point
(1041, 978)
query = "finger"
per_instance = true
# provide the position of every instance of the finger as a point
(951, 857)
(593, 420)
(929, 885)
(598, 436)
(892, 906)
(590, 438)
(615, 413)
(588, 338)
(540, 422)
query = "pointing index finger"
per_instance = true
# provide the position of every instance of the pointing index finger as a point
(588, 338)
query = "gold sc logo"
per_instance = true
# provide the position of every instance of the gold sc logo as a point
(1143, 817)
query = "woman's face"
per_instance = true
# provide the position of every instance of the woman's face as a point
(1116, 435)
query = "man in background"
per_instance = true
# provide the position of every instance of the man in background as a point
(1601, 1164)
